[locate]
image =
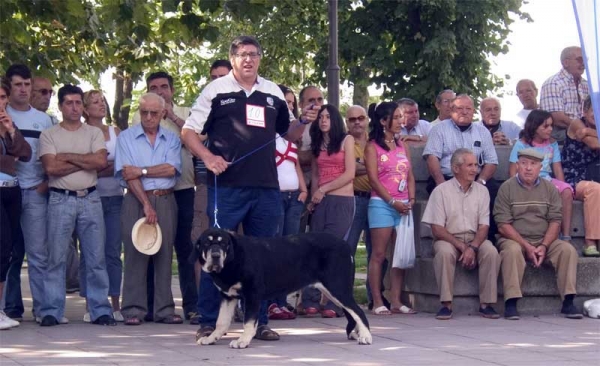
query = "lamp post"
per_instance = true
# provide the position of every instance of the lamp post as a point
(333, 69)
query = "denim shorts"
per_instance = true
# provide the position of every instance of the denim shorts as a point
(381, 214)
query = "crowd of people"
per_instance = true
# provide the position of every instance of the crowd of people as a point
(270, 164)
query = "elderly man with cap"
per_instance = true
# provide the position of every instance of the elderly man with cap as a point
(148, 162)
(528, 214)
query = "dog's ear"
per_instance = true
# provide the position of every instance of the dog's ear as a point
(231, 243)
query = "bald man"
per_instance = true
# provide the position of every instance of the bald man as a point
(503, 132)
(527, 93)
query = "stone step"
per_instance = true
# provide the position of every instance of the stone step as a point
(539, 286)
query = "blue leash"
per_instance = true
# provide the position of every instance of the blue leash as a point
(216, 224)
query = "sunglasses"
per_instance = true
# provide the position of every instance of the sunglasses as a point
(44, 92)
(359, 119)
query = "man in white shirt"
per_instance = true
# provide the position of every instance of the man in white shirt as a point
(527, 93)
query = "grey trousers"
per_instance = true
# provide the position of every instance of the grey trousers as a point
(136, 263)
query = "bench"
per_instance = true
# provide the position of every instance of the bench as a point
(539, 285)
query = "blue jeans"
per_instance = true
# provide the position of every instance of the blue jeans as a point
(111, 207)
(83, 214)
(289, 224)
(360, 224)
(259, 211)
(33, 224)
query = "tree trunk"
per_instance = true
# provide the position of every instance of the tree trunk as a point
(123, 93)
(360, 95)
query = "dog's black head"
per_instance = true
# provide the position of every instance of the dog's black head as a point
(214, 248)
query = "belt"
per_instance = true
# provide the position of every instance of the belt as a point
(362, 194)
(9, 183)
(79, 194)
(159, 192)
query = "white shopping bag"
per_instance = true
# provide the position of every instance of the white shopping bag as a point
(404, 250)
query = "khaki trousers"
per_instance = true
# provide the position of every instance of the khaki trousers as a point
(560, 254)
(488, 261)
(589, 193)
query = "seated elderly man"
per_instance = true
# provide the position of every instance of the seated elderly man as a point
(459, 215)
(414, 130)
(503, 132)
(528, 214)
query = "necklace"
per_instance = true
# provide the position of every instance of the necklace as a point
(389, 141)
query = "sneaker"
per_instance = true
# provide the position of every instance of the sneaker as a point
(489, 313)
(6, 322)
(591, 251)
(48, 321)
(444, 313)
(118, 316)
(571, 311)
(275, 313)
(62, 320)
(511, 313)
(105, 320)
(87, 318)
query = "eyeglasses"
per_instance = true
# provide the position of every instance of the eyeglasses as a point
(152, 114)
(44, 92)
(252, 55)
(355, 119)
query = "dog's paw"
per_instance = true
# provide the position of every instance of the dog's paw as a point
(353, 335)
(204, 341)
(366, 339)
(239, 343)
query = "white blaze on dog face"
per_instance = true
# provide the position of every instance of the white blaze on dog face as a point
(211, 264)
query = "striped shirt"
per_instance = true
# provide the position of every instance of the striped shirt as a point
(560, 94)
(445, 138)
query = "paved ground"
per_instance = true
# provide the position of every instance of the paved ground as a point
(398, 340)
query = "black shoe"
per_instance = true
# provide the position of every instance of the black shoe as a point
(489, 313)
(511, 313)
(571, 311)
(72, 290)
(444, 313)
(49, 321)
(105, 320)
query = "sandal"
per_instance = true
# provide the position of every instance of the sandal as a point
(403, 310)
(171, 319)
(264, 333)
(133, 321)
(204, 331)
(382, 310)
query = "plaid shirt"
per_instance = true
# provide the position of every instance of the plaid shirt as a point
(445, 137)
(559, 94)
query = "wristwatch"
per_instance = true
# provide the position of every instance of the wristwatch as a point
(144, 172)
(420, 137)
(482, 181)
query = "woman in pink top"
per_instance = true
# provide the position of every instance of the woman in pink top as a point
(332, 191)
(390, 175)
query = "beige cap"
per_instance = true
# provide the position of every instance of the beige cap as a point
(146, 238)
(531, 153)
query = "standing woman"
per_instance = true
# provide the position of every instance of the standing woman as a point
(13, 147)
(390, 175)
(111, 194)
(332, 191)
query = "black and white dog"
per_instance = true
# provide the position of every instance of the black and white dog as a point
(256, 269)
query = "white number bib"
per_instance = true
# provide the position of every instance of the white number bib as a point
(255, 115)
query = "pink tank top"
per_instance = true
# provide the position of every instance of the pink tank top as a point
(330, 166)
(392, 168)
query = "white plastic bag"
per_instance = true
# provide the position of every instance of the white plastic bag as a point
(404, 250)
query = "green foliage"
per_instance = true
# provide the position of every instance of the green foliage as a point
(411, 48)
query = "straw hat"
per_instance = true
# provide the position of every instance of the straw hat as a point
(146, 238)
